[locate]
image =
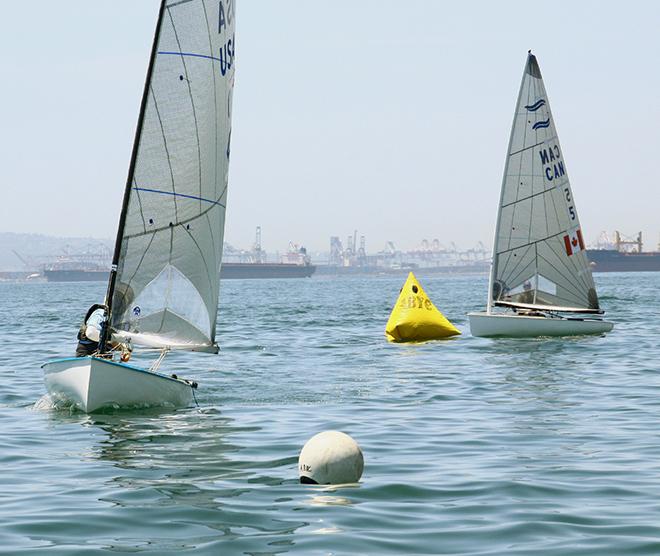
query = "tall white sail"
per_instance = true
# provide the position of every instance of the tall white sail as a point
(169, 245)
(539, 257)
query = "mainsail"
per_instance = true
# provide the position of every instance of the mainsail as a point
(164, 289)
(539, 257)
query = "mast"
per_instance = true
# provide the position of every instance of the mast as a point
(493, 265)
(129, 180)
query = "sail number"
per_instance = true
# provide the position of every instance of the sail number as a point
(225, 19)
(553, 166)
(571, 208)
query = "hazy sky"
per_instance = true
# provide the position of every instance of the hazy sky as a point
(387, 117)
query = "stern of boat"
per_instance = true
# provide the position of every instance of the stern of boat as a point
(118, 385)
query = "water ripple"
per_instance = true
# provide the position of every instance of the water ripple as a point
(472, 447)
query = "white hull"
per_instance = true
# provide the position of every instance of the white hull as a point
(524, 326)
(92, 384)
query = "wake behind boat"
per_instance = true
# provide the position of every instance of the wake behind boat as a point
(163, 286)
(540, 276)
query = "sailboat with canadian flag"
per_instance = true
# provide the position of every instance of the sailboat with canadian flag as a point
(540, 282)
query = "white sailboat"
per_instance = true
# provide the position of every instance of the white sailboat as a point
(540, 281)
(164, 283)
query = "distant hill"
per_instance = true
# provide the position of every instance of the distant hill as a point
(35, 250)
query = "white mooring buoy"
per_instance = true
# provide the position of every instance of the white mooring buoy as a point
(330, 458)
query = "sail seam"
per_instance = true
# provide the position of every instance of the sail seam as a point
(544, 94)
(184, 195)
(206, 266)
(566, 182)
(180, 223)
(530, 229)
(501, 269)
(545, 208)
(560, 255)
(215, 105)
(137, 267)
(175, 4)
(527, 148)
(569, 281)
(167, 151)
(201, 252)
(189, 54)
(515, 279)
(530, 243)
(524, 139)
(562, 259)
(139, 200)
(518, 262)
(214, 291)
(168, 291)
(515, 272)
(192, 104)
(554, 206)
(553, 197)
(510, 274)
(505, 269)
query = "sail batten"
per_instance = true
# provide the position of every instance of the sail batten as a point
(166, 286)
(539, 256)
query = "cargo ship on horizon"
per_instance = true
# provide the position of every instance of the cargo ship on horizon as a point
(617, 255)
(624, 256)
(228, 271)
(296, 263)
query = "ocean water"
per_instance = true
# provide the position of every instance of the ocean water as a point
(472, 446)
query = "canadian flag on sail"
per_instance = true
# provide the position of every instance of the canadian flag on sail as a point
(574, 242)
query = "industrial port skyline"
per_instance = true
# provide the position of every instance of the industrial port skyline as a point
(403, 146)
(31, 251)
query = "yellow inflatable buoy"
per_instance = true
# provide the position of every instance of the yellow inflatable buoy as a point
(415, 319)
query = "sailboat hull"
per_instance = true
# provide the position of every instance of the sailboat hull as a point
(523, 326)
(92, 384)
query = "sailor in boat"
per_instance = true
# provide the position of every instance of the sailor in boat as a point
(90, 332)
(528, 294)
(530, 312)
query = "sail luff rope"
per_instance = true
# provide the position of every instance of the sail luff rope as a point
(494, 257)
(129, 180)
